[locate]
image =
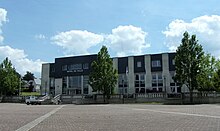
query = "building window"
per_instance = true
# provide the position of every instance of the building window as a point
(64, 85)
(86, 66)
(64, 68)
(174, 87)
(139, 64)
(74, 67)
(140, 83)
(122, 83)
(154, 80)
(74, 85)
(85, 84)
(173, 61)
(74, 82)
(156, 63)
(52, 82)
(157, 82)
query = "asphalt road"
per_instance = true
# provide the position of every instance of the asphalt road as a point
(121, 117)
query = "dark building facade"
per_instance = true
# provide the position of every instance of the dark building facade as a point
(137, 74)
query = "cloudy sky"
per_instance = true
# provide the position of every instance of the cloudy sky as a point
(33, 32)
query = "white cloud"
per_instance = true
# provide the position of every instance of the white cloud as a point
(40, 37)
(19, 60)
(124, 40)
(1, 39)
(127, 40)
(3, 14)
(77, 41)
(18, 57)
(206, 28)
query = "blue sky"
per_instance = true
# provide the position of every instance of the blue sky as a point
(36, 31)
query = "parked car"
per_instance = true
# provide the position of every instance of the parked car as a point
(33, 100)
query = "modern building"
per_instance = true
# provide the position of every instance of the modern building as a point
(137, 74)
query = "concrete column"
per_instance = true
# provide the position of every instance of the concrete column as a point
(165, 73)
(67, 85)
(45, 79)
(131, 88)
(115, 66)
(58, 86)
(148, 79)
(82, 92)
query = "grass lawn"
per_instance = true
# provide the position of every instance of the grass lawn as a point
(30, 93)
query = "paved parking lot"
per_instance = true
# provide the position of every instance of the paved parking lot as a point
(127, 117)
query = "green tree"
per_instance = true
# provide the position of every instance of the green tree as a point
(9, 78)
(216, 80)
(103, 76)
(188, 62)
(29, 78)
(209, 66)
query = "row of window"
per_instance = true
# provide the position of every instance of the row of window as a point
(157, 80)
(139, 83)
(154, 63)
(72, 85)
(72, 67)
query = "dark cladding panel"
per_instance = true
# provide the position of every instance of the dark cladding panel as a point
(73, 66)
(122, 64)
(139, 65)
(171, 61)
(52, 70)
(156, 63)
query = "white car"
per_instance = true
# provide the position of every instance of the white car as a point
(33, 100)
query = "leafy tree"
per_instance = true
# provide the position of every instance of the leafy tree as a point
(29, 78)
(216, 80)
(103, 76)
(209, 65)
(188, 62)
(9, 78)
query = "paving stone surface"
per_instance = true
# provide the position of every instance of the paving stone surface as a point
(13, 116)
(121, 117)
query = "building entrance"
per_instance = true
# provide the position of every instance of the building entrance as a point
(74, 91)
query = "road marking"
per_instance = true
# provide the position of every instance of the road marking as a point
(98, 105)
(177, 113)
(35, 122)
